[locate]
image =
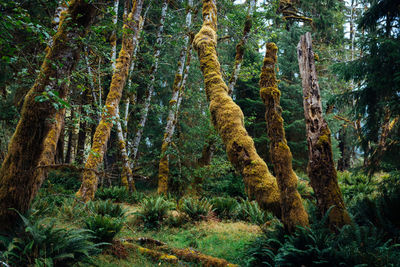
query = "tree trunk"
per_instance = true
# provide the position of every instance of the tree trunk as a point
(113, 38)
(102, 134)
(126, 174)
(240, 47)
(34, 141)
(150, 89)
(177, 89)
(344, 161)
(59, 158)
(70, 146)
(80, 148)
(321, 168)
(293, 212)
(227, 117)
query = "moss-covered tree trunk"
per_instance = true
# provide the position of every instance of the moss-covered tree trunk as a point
(321, 168)
(34, 141)
(228, 118)
(293, 212)
(102, 134)
(240, 47)
(126, 173)
(150, 88)
(177, 89)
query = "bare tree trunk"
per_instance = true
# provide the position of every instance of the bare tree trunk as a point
(113, 38)
(177, 89)
(240, 47)
(150, 89)
(321, 168)
(34, 141)
(59, 158)
(80, 148)
(293, 212)
(131, 31)
(227, 117)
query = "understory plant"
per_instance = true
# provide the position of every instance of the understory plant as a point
(196, 209)
(154, 210)
(225, 207)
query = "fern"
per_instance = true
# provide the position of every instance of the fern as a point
(104, 228)
(250, 211)
(107, 208)
(225, 207)
(114, 193)
(154, 210)
(41, 244)
(196, 209)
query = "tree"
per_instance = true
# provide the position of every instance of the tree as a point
(293, 212)
(103, 130)
(228, 118)
(321, 168)
(33, 144)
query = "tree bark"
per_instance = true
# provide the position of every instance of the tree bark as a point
(150, 89)
(102, 134)
(177, 90)
(240, 47)
(321, 168)
(293, 212)
(34, 141)
(227, 117)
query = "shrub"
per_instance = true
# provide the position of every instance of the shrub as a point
(251, 212)
(225, 207)
(196, 209)
(154, 210)
(41, 244)
(104, 228)
(63, 180)
(114, 193)
(226, 185)
(107, 208)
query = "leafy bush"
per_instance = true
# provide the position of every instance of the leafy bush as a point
(107, 208)
(226, 185)
(115, 193)
(41, 244)
(250, 211)
(63, 180)
(225, 207)
(196, 209)
(104, 228)
(154, 210)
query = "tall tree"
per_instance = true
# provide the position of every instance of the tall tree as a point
(177, 91)
(150, 88)
(103, 130)
(227, 117)
(34, 142)
(293, 212)
(321, 168)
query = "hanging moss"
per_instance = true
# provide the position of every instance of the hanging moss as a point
(228, 118)
(293, 212)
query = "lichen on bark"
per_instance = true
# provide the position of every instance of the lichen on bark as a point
(227, 118)
(293, 212)
(103, 130)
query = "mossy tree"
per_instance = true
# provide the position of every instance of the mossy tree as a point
(293, 212)
(103, 130)
(227, 117)
(33, 144)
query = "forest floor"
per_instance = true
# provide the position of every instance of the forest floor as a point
(214, 237)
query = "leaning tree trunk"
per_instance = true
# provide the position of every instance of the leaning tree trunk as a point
(293, 212)
(34, 141)
(113, 38)
(103, 130)
(150, 89)
(240, 47)
(177, 88)
(321, 168)
(228, 118)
